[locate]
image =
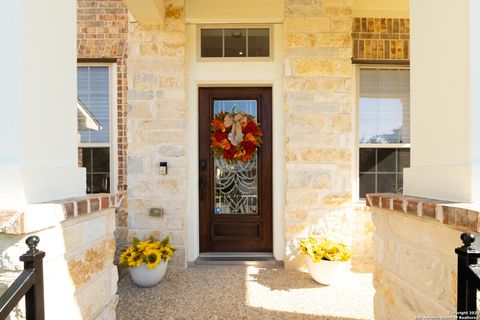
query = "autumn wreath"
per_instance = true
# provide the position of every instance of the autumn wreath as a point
(235, 136)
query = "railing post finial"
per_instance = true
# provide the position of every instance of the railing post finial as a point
(32, 243)
(467, 239)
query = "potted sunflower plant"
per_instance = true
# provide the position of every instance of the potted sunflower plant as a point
(327, 260)
(147, 260)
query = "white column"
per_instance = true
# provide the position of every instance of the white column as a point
(445, 93)
(38, 129)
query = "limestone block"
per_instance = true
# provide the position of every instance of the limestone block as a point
(84, 265)
(140, 95)
(171, 150)
(299, 40)
(296, 229)
(312, 10)
(317, 84)
(166, 136)
(341, 123)
(160, 65)
(307, 24)
(335, 40)
(303, 198)
(322, 108)
(144, 81)
(326, 155)
(170, 82)
(176, 222)
(314, 140)
(135, 165)
(423, 268)
(296, 214)
(139, 110)
(341, 25)
(310, 179)
(93, 299)
(169, 109)
(339, 3)
(304, 124)
(299, 97)
(141, 219)
(108, 313)
(177, 238)
(339, 11)
(338, 200)
(402, 300)
(425, 234)
(314, 67)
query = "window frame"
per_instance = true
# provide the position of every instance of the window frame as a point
(357, 144)
(233, 26)
(113, 109)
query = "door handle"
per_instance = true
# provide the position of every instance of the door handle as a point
(203, 165)
(202, 182)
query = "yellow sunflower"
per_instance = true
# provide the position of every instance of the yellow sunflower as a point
(152, 258)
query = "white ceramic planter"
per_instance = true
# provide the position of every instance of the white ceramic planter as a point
(145, 277)
(326, 272)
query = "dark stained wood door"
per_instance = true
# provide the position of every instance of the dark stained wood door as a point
(235, 200)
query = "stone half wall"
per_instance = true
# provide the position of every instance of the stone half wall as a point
(416, 266)
(157, 128)
(318, 122)
(77, 236)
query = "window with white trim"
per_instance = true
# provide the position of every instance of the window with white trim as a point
(245, 42)
(94, 92)
(384, 128)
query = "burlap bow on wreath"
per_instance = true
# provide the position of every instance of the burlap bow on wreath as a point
(235, 136)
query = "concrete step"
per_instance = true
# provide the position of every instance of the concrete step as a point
(226, 259)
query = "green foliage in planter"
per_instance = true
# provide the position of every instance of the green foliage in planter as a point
(324, 249)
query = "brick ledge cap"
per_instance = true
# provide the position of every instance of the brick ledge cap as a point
(461, 216)
(39, 216)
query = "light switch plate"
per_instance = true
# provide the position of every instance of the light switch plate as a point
(163, 170)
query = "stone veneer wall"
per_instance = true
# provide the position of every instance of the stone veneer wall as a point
(77, 236)
(156, 128)
(416, 266)
(383, 39)
(318, 121)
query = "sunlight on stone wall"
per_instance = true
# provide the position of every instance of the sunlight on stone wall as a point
(156, 128)
(318, 122)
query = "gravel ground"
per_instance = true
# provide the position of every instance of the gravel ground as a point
(246, 293)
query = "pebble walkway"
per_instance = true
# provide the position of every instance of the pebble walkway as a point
(219, 293)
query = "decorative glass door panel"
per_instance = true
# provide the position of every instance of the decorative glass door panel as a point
(235, 196)
(236, 189)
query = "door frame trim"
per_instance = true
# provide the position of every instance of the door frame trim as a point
(233, 74)
(263, 220)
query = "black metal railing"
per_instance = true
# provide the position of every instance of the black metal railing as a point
(468, 278)
(29, 284)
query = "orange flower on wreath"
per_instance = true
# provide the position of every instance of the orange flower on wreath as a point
(221, 129)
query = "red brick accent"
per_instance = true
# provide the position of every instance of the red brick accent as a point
(102, 32)
(461, 216)
(383, 39)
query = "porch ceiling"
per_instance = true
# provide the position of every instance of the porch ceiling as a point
(147, 11)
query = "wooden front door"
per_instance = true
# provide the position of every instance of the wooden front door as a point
(235, 200)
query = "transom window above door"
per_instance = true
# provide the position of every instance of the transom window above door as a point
(253, 42)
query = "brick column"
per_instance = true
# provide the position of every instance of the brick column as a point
(318, 120)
